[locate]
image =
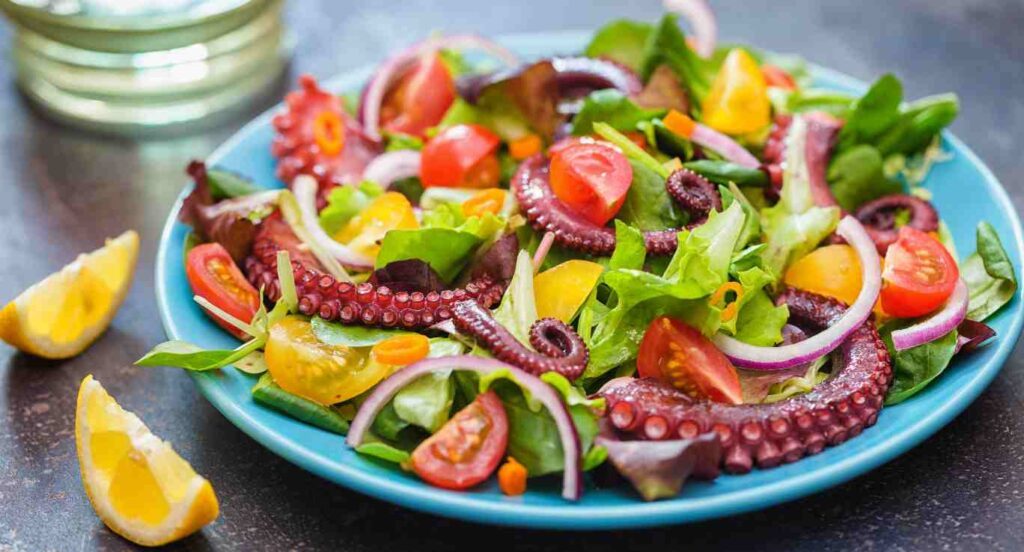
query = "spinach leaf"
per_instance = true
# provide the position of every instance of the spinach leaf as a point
(919, 123)
(612, 107)
(445, 250)
(667, 45)
(874, 113)
(915, 368)
(989, 275)
(182, 354)
(856, 177)
(333, 333)
(622, 41)
(647, 205)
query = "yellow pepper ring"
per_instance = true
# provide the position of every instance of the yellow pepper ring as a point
(718, 299)
(329, 132)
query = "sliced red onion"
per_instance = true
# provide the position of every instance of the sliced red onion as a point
(305, 188)
(936, 325)
(388, 168)
(728, 148)
(542, 250)
(753, 357)
(578, 76)
(572, 478)
(393, 67)
(700, 16)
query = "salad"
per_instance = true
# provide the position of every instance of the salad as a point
(662, 258)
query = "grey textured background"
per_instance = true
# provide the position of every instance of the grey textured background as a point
(62, 192)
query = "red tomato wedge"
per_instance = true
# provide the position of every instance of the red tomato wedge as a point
(592, 179)
(778, 77)
(679, 355)
(461, 156)
(214, 276)
(468, 448)
(420, 99)
(919, 275)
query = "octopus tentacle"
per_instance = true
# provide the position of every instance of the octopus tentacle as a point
(879, 217)
(559, 348)
(295, 146)
(364, 304)
(547, 213)
(767, 435)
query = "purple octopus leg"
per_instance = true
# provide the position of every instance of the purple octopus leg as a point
(770, 434)
(558, 347)
(879, 218)
(364, 304)
(546, 213)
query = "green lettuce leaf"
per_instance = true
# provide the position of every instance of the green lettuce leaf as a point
(698, 267)
(630, 250)
(614, 108)
(989, 275)
(795, 226)
(647, 205)
(345, 202)
(444, 249)
(518, 308)
(622, 41)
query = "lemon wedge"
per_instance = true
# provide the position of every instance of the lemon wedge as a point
(137, 484)
(63, 314)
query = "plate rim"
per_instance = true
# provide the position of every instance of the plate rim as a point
(566, 516)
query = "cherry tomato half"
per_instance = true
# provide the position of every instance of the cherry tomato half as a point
(679, 355)
(467, 449)
(919, 275)
(778, 77)
(420, 99)
(592, 179)
(214, 276)
(461, 156)
(327, 374)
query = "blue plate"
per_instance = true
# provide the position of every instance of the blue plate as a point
(965, 192)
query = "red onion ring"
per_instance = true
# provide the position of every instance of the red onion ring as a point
(393, 67)
(542, 250)
(753, 357)
(572, 478)
(702, 19)
(936, 325)
(305, 188)
(388, 168)
(728, 148)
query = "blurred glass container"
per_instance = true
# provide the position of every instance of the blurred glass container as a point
(135, 67)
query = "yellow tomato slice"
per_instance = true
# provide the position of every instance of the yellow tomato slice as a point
(738, 100)
(328, 374)
(390, 211)
(833, 271)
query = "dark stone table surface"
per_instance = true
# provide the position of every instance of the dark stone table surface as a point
(63, 191)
